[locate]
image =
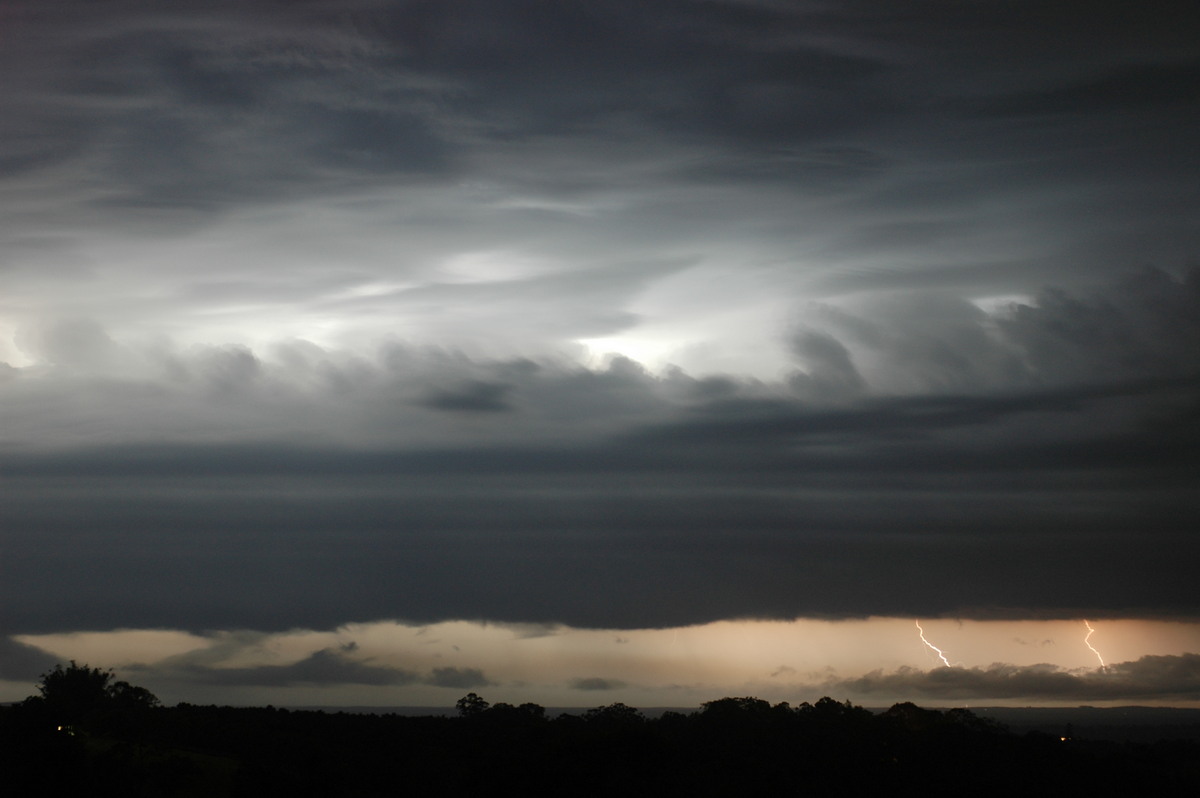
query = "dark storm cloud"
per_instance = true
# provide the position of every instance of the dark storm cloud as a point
(680, 68)
(22, 662)
(457, 677)
(848, 136)
(1148, 323)
(666, 502)
(324, 667)
(475, 396)
(457, 193)
(1140, 325)
(204, 107)
(1130, 88)
(1150, 677)
(596, 683)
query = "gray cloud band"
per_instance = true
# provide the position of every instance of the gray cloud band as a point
(1025, 502)
(427, 208)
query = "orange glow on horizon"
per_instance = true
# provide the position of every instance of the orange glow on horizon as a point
(798, 660)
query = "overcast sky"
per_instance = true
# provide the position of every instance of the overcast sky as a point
(597, 316)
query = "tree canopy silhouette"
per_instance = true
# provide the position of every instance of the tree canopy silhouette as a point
(78, 694)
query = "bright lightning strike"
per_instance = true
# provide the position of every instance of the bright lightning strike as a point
(1087, 642)
(934, 648)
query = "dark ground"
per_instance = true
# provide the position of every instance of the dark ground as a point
(733, 746)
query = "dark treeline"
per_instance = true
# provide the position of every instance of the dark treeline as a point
(102, 738)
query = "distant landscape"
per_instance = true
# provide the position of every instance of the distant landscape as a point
(85, 732)
(1132, 723)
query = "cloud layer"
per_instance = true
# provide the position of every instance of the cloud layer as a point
(1148, 678)
(597, 314)
(1052, 441)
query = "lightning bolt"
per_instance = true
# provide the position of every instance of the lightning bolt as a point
(1087, 642)
(934, 648)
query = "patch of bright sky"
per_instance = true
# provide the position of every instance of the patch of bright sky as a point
(490, 266)
(119, 647)
(335, 273)
(706, 320)
(652, 667)
(1001, 302)
(10, 353)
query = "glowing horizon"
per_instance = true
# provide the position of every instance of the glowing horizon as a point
(556, 665)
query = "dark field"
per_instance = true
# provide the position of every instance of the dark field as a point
(732, 746)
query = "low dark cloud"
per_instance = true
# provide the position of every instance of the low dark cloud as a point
(1148, 678)
(596, 683)
(325, 667)
(1126, 89)
(23, 663)
(457, 677)
(471, 397)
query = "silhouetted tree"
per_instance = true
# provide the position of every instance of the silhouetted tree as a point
(912, 717)
(738, 708)
(79, 696)
(130, 697)
(614, 716)
(73, 693)
(534, 711)
(471, 705)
